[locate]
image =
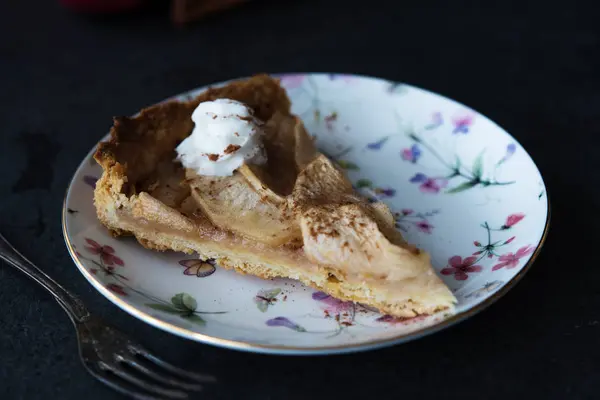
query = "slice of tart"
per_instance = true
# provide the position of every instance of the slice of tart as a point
(244, 185)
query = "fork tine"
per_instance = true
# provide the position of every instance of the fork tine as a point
(159, 377)
(150, 387)
(116, 383)
(171, 368)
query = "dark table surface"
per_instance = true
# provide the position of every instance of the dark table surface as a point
(530, 66)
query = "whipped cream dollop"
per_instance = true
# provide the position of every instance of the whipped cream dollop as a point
(225, 135)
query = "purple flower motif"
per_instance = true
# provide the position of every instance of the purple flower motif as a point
(412, 154)
(286, 323)
(320, 296)
(292, 81)
(386, 318)
(378, 144)
(384, 192)
(436, 121)
(332, 305)
(90, 180)
(510, 150)
(462, 123)
(429, 185)
(418, 178)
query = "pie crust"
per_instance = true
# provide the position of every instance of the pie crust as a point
(145, 193)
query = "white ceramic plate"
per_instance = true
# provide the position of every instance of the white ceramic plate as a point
(463, 190)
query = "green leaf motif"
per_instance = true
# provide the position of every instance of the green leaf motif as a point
(177, 301)
(270, 294)
(184, 301)
(189, 302)
(184, 305)
(196, 319)
(478, 166)
(262, 305)
(163, 307)
(462, 187)
(264, 298)
(363, 183)
(457, 163)
(348, 165)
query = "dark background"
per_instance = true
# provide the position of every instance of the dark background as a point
(530, 66)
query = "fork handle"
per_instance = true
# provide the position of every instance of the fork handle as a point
(71, 304)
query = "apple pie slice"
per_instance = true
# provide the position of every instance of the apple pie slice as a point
(285, 210)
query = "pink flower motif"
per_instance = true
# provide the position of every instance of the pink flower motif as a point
(118, 289)
(429, 185)
(461, 268)
(436, 121)
(509, 240)
(424, 226)
(512, 220)
(292, 81)
(106, 253)
(437, 118)
(411, 154)
(462, 123)
(510, 260)
(433, 185)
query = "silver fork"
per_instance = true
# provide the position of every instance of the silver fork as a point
(108, 354)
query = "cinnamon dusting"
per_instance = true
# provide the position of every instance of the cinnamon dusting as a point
(231, 148)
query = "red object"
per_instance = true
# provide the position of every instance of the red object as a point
(101, 6)
(184, 11)
(513, 219)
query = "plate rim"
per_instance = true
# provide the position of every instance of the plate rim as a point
(292, 350)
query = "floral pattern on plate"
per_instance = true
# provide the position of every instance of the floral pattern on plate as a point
(460, 187)
(107, 263)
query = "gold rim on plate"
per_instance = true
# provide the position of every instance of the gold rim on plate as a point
(280, 349)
